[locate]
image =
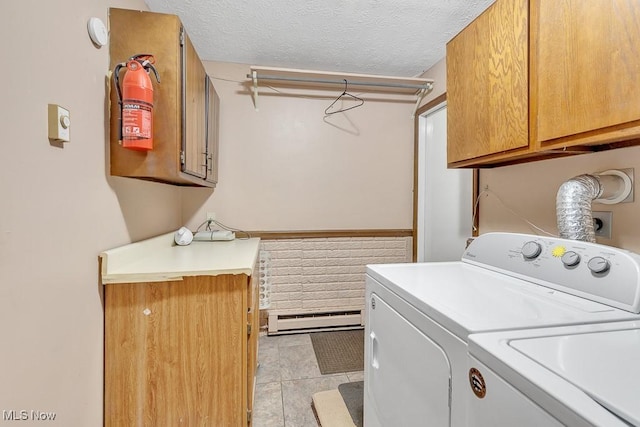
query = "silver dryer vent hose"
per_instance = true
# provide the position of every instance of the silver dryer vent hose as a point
(573, 207)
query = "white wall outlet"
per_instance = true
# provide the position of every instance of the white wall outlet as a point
(602, 224)
(211, 216)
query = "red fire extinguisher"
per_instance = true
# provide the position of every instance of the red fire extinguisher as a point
(136, 102)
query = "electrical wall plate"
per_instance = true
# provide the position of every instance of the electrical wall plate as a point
(602, 221)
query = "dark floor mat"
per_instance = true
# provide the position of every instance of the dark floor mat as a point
(339, 351)
(353, 396)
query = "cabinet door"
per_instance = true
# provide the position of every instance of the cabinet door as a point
(586, 70)
(133, 32)
(175, 352)
(194, 112)
(213, 123)
(487, 84)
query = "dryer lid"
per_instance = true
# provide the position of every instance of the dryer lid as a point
(467, 299)
(605, 365)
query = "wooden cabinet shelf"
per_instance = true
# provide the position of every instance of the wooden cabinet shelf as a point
(185, 102)
(529, 80)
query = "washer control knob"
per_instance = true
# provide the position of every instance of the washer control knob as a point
(598, 264)
(570, 258)
(531, 250)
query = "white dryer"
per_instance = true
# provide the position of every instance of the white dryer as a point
(586, 375)
(419, 316)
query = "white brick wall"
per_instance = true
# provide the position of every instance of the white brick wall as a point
(327, 273)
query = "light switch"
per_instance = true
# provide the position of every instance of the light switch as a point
(59, 123)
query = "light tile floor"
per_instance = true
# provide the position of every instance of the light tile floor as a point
(287, 378)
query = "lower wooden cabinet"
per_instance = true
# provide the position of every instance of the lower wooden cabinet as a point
(181, 353)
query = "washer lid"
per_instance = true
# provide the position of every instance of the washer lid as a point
(468, 299)
(605, 365)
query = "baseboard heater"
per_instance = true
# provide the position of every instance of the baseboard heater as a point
(287, 322)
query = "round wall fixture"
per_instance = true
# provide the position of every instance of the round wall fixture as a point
(97, 32)
(617, 186)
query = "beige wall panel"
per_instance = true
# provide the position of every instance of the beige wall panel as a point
(287, 167)
(530, 190)
(439, 75)
(59, 209)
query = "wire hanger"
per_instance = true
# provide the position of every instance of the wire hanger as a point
(344, 94)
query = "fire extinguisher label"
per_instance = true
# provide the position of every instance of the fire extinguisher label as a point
(136, 121)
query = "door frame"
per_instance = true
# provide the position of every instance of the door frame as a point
(433, 105)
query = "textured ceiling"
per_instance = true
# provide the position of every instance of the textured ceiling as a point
(390, 37)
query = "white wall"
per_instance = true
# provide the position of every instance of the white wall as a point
(326, 274)
(287, 167)
(59, 209)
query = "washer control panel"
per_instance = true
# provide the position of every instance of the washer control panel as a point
(589, 270)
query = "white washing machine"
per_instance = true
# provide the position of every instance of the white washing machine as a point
(586, 375)
(419, 316)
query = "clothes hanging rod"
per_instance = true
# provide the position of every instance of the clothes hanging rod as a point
(341, 81)
(420, 85)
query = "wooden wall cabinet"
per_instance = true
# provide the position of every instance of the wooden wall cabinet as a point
(185, 134)
(181, 352)
(586, 72)
(487, 85)
(529, 80)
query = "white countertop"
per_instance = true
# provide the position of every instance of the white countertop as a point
(159, 259)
